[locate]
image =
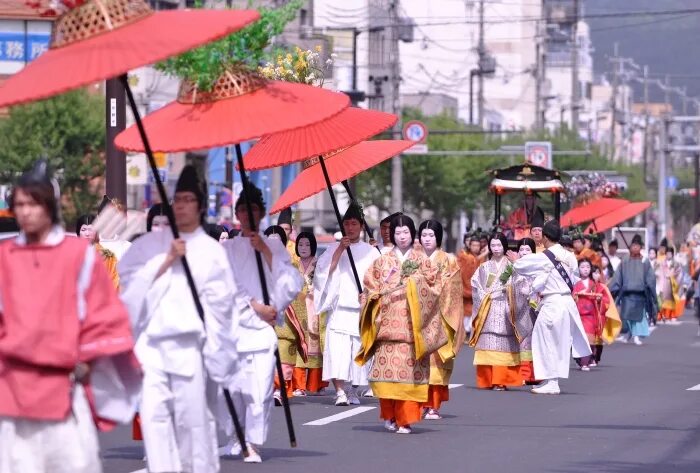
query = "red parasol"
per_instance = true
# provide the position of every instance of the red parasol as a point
(102, 39)
(341, 165)
(591, 210)
(198, 120)
(618, 216)
(348, 128)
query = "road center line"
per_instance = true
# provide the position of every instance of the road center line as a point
(694, 388)
(341, 415)
(454, 386)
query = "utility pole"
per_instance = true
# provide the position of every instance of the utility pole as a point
(115, 165)
(575, 92)
(396, 169)
(663, 154)
(613, 100)
(481, 50)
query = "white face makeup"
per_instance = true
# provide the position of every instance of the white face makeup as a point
(87, 232)
(524, 250)
(274, 236)
(496, 247)
(428, 240)
(304, 247)
(402, 236)
(159, 223)
(223, 237)
(584, 269)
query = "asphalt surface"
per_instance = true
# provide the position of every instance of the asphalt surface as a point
(634, 413)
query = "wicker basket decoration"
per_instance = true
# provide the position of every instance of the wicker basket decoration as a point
(234, 82)
(95, 17)
(307, 163)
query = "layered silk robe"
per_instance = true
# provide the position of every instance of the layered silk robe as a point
(494, 333)
(401, 326)
(442, 361)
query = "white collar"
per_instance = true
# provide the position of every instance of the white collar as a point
(54, 238)
(402, 257)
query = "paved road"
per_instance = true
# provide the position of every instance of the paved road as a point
(633, 414)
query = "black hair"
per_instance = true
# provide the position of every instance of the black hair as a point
(433, 225)
(529, 242)
(312, 240)
(401, 221)
(83, 220)
(42, 194)
(586, 260)
(500, 237)
(277, 230)
(155, 211)
(253, 194)
(614, 243)
(215, 231)
(671, 250)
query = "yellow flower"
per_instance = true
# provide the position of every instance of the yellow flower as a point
(318, 48)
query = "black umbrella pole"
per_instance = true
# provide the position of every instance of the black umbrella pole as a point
(167, 208)
(266, 299)
(340, 221)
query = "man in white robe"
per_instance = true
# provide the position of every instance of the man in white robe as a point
(182, 358)
(335, 292)
(558, 329)
(252, 388)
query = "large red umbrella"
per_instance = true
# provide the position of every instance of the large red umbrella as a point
(349, 127)
(247, 106)
(107, 38)
(340, 166)
(591, 210)
(102, 39)
(618, 216)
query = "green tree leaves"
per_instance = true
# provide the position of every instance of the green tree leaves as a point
(69, 130)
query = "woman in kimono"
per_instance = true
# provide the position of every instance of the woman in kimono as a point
(592, 302)
(307, 377)
(669, 273)
(525, 310)
(496, 296)
(84, 229)
(400, 326)
(442, 361)
(290, 335)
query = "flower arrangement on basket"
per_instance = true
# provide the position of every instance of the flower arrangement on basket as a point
(408, 268)
(586, 188)
(506, 274)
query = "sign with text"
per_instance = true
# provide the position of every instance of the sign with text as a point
(539, 153)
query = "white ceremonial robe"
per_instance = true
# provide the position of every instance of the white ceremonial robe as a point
(182, 359)
(336, 294)
(558, 329)
(252, 388)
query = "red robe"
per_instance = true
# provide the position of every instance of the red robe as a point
(592, 304)
(58, 307)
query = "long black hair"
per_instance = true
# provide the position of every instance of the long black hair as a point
(86, 219)
(277, 230)
(529, 242)
(433, 225)
(401, 221)
(312, 240)
(500, 237)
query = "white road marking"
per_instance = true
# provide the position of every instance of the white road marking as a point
(353, 412)
(341, 415)
(142, 470)
(694, 388)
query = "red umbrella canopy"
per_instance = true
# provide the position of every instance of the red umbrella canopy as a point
(341, 165)
(242, 106)
(591, 210)
(348, 128)
(618, 216)
(101, 39)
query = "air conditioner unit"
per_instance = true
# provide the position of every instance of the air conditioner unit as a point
(405, 29)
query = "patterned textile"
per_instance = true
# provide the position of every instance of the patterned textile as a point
(400, 325)
(592, 303)
(494, 333)
(292, 335)
(468, 264)
(313, 325)
(442, 361)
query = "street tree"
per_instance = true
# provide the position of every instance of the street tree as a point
(67, 129)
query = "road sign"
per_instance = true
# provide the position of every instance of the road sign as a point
(672, 183)
(415, 131)
(539, 153)
(418, 148)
